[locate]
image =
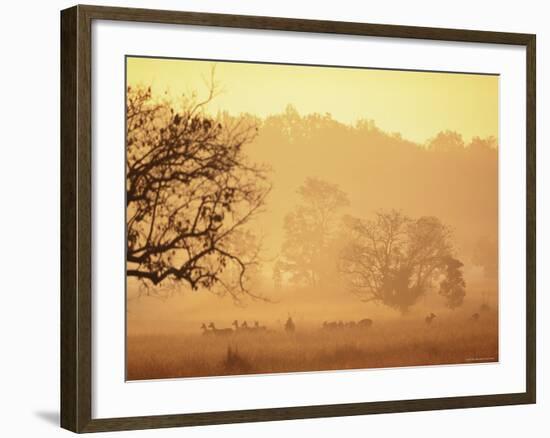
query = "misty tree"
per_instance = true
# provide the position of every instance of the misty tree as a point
(190, 193)
(487, 144)
(309, 230)
(394, 260)
(485, 255)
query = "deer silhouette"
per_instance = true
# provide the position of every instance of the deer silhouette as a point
(290, 327)
(330, 325)
(205, 330)
(244, 327)
(365, 323)
(236, 325)
(219, 332)
(484, 307)
(428, 320)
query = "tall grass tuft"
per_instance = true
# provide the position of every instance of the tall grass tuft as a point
(235, 363)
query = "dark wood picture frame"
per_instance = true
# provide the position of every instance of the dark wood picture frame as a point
(76, 218)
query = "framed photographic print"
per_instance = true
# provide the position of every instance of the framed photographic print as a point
(271, 218)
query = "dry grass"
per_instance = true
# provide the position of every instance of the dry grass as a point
(397, 343)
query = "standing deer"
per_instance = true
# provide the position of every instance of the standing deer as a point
(330, 325)
(259, 327)
(220, 332)
(240, 328)
(484, 305)
(289, 325)
(365, 323)
(428, 320)
(205, 331)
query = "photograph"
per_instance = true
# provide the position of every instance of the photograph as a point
(285, 218)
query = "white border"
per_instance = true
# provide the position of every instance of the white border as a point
(112, 397)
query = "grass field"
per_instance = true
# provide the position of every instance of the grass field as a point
(455, 339)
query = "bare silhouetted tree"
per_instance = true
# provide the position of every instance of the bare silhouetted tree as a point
(190, 192)
(394, 260)
(309, 229)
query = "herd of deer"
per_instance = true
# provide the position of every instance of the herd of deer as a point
(244, 328)
(333, 325)
(366, 323)
(211, 328)
(429, 319)
(290, 327)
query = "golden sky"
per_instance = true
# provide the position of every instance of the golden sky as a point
(418, 105)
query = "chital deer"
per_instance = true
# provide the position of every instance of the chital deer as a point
(330, 325)
(365, 323)
(219, 332)
(428, 320)
(205, 330)
(237, 326)
(290, 327)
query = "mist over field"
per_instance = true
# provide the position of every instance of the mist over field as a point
(297, 242)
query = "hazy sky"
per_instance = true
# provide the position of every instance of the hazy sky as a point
(416, 104)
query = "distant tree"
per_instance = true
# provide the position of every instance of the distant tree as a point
(190, 192)
(291, 124)
(452, 285)
(309, 230)
(394, 260)
(485, 254)
(483, 144)
(446, 141)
